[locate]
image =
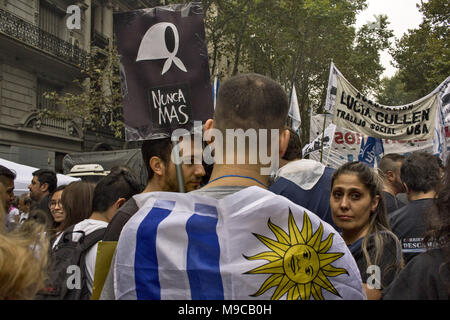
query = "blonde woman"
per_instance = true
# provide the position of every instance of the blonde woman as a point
(23, 260)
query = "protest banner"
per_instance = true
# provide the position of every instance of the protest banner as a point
(164, 70)
(353, 111)
(442, 119)
(346, 144)
(326, 139)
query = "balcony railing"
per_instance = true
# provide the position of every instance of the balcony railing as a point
(99, 40)
(28, 33)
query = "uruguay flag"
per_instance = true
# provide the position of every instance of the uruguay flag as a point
(249, 245)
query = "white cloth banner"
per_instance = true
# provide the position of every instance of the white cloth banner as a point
(346, 144)
(316, 144)
(416, 120)
(331, 90)
(442, 118)
(294, 112)
(252, 244)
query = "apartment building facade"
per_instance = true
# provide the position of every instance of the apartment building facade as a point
(40, 53)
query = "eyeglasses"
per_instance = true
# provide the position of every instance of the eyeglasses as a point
(53, 203)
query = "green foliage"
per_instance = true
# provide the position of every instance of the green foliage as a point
(98, 101)
(423, 55)
(287, 40)
(296, 40)
(392, 92)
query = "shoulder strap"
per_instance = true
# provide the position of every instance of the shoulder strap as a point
(67, 232)
(92, 238)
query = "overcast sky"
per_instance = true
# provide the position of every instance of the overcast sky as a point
(402, 15)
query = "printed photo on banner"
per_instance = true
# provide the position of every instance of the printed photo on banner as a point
(164, 70)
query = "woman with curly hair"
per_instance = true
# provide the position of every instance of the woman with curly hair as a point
(427, 275)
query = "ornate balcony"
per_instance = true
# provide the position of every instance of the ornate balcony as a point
(19, 29)
(99, 40)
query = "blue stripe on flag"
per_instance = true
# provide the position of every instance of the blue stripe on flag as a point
(203, 254)
(146, 261)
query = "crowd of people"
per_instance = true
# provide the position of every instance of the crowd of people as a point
(391, 240)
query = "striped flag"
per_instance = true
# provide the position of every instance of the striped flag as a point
(249, 245)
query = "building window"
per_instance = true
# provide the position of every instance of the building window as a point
(43, 103)
(50, 18)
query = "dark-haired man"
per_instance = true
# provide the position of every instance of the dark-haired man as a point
(390, 166)
(420, 175)
(43, 184)
(161, 177)
(110, 193)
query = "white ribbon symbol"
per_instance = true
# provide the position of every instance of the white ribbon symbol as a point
(153, 46)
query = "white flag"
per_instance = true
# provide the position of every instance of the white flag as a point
(215, 90)
(331, 89)
(442, 117)
(294, 112)
(252, 244)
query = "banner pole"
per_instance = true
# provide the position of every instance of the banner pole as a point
(323, 133)
(325, 112)
(177, 162)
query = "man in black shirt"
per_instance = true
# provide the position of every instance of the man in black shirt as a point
(389, 167)
(420, 175)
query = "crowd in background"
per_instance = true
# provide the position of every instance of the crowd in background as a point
(404, 238)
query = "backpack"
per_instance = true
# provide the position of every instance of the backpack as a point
(67, 267)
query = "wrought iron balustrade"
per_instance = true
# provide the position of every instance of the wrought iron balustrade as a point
(99, 40)
(32, 35)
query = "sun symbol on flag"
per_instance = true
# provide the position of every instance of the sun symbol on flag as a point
(299, 262)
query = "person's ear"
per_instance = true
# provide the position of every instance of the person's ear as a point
(375, 202)
(44, 187)
(119, 203)
(390, 175)
(209, 124)
(283, 141)
(157, 165)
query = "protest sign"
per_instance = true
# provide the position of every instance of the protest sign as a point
(164, 70)
(353, 111)
(346, 144)
(326, 139)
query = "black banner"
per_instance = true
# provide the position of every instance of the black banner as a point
(164, 70)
